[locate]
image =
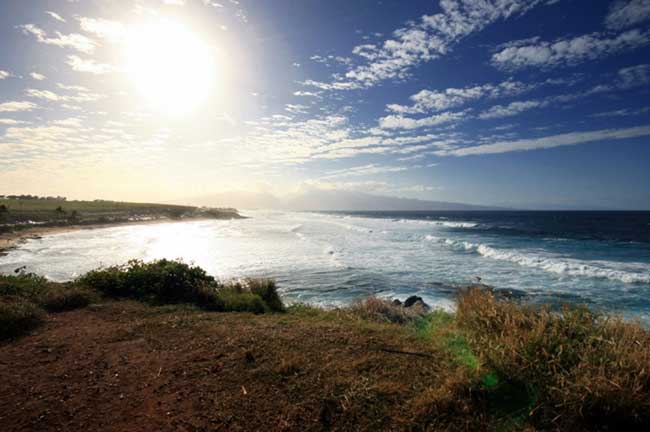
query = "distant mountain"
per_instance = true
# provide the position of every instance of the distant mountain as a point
(329, 200)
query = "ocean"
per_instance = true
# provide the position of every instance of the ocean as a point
(601, 259)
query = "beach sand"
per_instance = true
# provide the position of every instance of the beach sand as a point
(13, 240)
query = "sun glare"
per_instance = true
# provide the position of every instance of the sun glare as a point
(171, 67)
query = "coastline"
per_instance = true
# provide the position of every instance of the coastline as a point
(13, 240)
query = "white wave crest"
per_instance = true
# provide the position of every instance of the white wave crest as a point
(633, 272)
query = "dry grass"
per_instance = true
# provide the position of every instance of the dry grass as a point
(580, 370)
(383, 310)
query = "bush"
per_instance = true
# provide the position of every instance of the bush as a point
(27, 285)
(67, 297)
(242, 302)
(18, 316)
(164, 280)
(167, 281)
(383, 310)
(580, 370)
(267, 290)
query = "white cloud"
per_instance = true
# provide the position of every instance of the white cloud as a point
(174, 2)
(363, 186)
(512, 109)
(10, 122)
(634, 76)
(4, 74)
(55, 15)
(42, 94)
(436, 100)
(112, 31)
(37, 76)
(400, 122)
(429, 38)
(88, 65)
(307, 94)
(364, 170)
(563, 52)
(627, 13)
(296, 108)
(17, 106)
(567, 139)
(73, 40)
(625, 112)
(81, 96)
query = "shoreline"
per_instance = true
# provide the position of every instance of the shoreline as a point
(13, 240)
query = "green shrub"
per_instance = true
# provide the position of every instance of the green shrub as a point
(581, 370)
(242, 302)
(108, 281)
(27, 285)
(168, 281)
(208, 298)
(18, 316)
(164, 280)
(268, 291)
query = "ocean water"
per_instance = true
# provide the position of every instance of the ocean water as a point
(598, 258)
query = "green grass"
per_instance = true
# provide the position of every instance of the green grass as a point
(57, 212)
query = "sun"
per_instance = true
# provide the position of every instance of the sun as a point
(170, 66)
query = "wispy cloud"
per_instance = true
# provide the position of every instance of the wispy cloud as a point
(627, 13)
(512, 109)
(16, 106)
(364, 170)
(567, 139)
(566, 52)
(54, 97)
(400, 122)
(427, 39)
(113, 31)
(55, 15)
(438, 100)
(88, 65)
(37, 76)
(4, 74)
(73, 40)
(625, 112)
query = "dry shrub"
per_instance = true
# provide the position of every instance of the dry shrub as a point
(383, 310)
(581, 369)
(18, 316)
(60, 298)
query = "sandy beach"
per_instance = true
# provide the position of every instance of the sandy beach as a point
(12, 240)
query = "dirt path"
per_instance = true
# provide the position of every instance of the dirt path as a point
(124, 366)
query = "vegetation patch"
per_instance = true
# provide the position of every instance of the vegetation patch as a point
(387, 311)
(172, 281)
(18, 316)
(580, 370)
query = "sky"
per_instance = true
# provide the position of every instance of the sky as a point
(540, 104)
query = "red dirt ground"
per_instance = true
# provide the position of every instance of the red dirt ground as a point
(125, 366)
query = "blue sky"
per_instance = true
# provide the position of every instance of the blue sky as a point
(521, 103)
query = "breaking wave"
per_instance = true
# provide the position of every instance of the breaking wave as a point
(631, 273)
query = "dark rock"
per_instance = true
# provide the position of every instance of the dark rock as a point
(415, 300)
(397, 302)
(509, 293)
